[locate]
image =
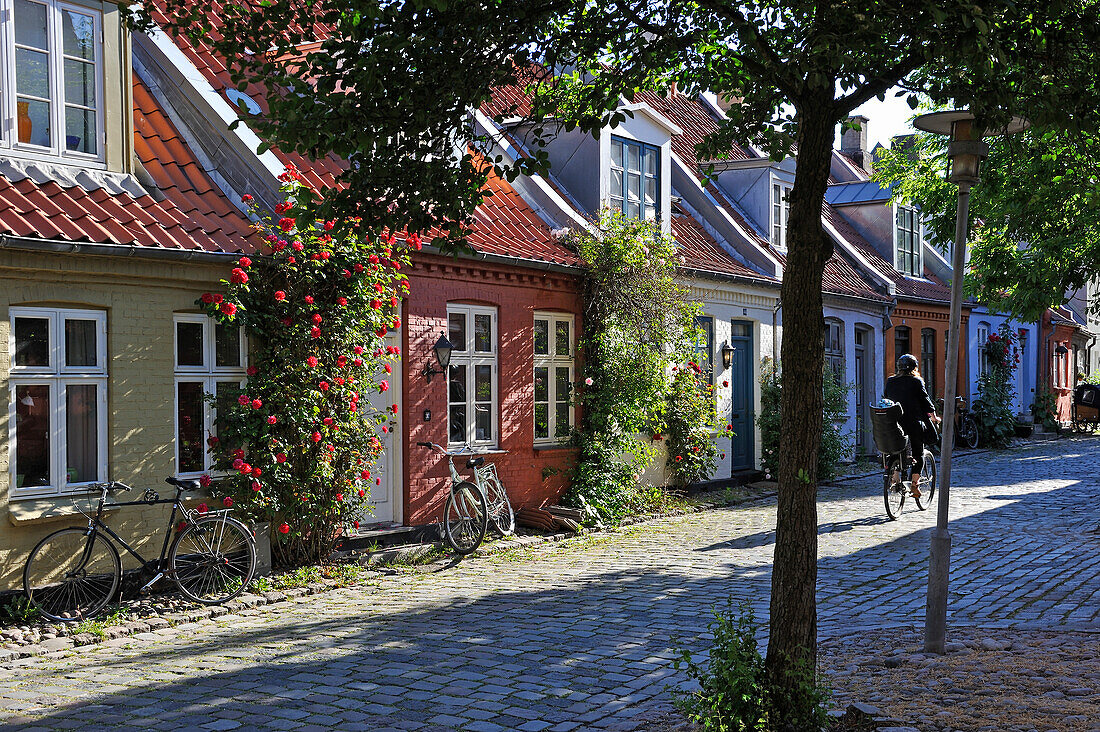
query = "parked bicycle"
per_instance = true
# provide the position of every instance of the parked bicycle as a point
(897, 459)
(73, 573)
(473, 505)
(966, 425)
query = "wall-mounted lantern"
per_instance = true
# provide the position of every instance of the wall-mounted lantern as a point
(727, 354)
(442, 350)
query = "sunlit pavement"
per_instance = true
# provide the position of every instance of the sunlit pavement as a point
(579, 635)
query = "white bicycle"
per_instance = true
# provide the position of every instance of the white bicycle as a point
(473, 505)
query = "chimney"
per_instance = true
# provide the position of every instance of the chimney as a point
(726, 100)
(853, 143)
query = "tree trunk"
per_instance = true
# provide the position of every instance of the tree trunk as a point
(792, 648)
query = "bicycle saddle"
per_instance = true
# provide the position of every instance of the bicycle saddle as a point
(475, 462)
(187, 485)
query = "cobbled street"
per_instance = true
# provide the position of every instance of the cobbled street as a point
(579, 635)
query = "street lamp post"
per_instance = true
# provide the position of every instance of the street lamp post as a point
(966, 153)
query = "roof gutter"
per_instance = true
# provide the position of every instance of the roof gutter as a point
(57, 246)
(726, 277)
(506, 260)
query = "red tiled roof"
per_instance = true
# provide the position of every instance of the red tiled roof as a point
(701, 252)
(187, 212)
(929, 288)
(697, 123)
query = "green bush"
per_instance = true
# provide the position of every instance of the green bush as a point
(734, 694)
(996, 420)
(691, 423)
(1045, 408)
(834, 446)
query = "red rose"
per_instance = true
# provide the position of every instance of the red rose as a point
(204, 481)
(340, 497)
(317, 318)
(311, 362)
(378, 288)
(227, 502)
(341, 361)
(388, 368)
(414, 241)
(202, 508)
(281, 457)
(323, 386)
(309, 299)
(376, 304)
(352, 407)
(394, 301)
(378, 481)
(297, 246)
(252, 371)
(256, 404)
(245, 469)
(291, 260)
(238, 453)
(217, 298)
(362, 492)
(373, 259)
(365, 474)
(243, 400)
(357, 361)
(327, 421)
(326, 255)
(396, 323)
(286, 223)
(358, 349)
(358, 268)
(315, 332)
(381, 332)
(342, 302)
(228, 308)
(207, 298)
(246, 198)
(244, 262)
(346, 273)
(284, 529)
(328, 225)
(316, 436)
(383, 385)
(256, 486)
(238, 276)
(257, 472)
(212, 441)
(280, 295)
(272, 419)
(287, 321)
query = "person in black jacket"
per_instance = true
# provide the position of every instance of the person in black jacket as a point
(906, 387)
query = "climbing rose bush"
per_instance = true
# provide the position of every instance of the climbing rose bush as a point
(299, 443)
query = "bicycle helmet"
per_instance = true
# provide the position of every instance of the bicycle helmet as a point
(907, 363)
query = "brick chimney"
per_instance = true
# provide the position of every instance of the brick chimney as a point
(853, 143)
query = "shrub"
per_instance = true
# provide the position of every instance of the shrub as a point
(1045, 408)
(834, 446)
(299, 442)
(734, 693)
(996, 420)
(691, 423)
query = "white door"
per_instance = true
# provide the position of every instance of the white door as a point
(385, 480)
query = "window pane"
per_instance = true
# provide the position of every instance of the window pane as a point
(483, 333)
(542, 384)
(80, 343)
(189, 344)
(30, 24)
(632, 210)
(651, 191)
(617, 153)
(32, 342)
(456, 330)
(82, 432)
(457, 384)
(225, 395)
(227, 345)
(542, 421)
(483, 423)
(561, 384)
(542, 337)
(740, 329)
(80, 134)
(79, 83)
(561, 420)
(190, 435)
(617, 204)
(651, 162)
(616, 183)
(483, 383)
(32, 435)
(634, 187)
(34, 122)
(78, 35)
(32, 77)
(457, 430)
(562, 340)
(632, 154)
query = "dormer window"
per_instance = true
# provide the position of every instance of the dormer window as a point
(635, 179)
(51, 80)
(907, 240)
(781, 211)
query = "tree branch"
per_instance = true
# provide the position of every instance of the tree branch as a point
(772, 67)
(880, 83)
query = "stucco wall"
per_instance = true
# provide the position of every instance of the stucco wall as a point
(139, 297)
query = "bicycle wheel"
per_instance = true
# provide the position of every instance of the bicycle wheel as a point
(465, 518)
(927, 482)
(71, 575)
(968, 432)
(212, 560)
(500, 508)
(893, 494)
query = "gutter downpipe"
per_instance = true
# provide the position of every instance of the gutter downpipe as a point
(27, 243)
(775, 330)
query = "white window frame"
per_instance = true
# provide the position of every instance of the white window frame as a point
(209, 375)
(470, 359)
(835, 358)
(623, 195)
(779, 198)
(918, 233)
(9, 125)
(551, 361)
(983, 356)
(57, 376)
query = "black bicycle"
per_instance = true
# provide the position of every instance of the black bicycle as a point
(73, 573)
(966, 425)
(897, 460)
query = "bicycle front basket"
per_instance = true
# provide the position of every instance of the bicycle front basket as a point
(885, 426)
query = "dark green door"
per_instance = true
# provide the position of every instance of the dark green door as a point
(741, 397)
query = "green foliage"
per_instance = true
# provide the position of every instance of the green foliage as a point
(638, 325)
(996, 420)
(834, 446)
(18, 610)
(691, 426)
(1038, 187)
(1045, 408)
(734, 694)
(342, 575)
(298, 445)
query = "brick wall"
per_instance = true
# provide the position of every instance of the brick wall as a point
(935, 318)
(140, 297)
(530, 475)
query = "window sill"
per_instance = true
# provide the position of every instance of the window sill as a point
(458, 451)
(22, 511)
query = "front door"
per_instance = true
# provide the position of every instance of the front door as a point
(741, 396)
(862, 338)
(385, 483)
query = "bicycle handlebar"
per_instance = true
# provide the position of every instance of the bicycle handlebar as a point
(436, 448)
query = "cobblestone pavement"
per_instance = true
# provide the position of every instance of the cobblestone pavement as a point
(577, 635)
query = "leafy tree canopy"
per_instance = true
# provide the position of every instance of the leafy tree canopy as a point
(1037, 213)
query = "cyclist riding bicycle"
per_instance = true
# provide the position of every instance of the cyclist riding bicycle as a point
(906, 387)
